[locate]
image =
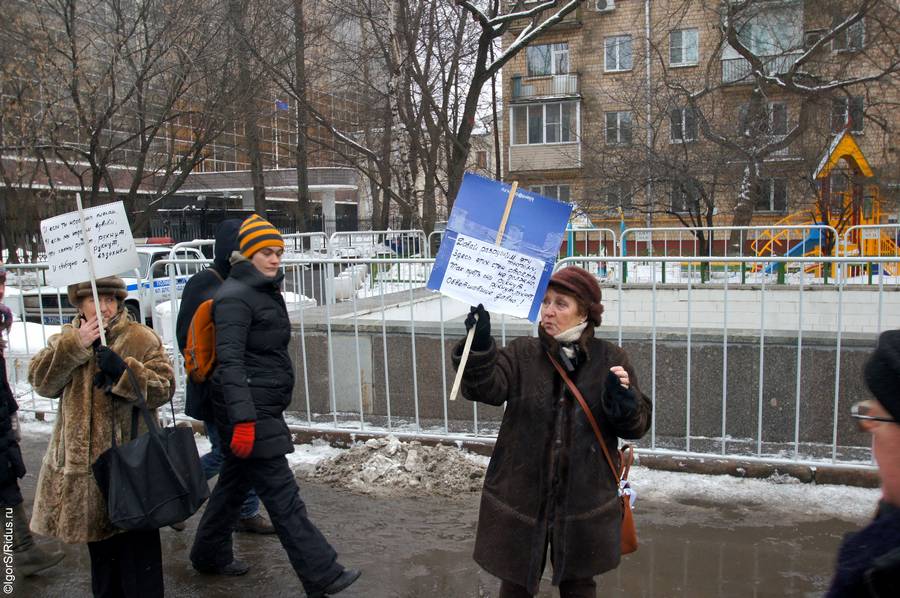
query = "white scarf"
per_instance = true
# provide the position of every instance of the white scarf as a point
(570, 335)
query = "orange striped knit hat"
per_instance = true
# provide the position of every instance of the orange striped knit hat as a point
(256, 233)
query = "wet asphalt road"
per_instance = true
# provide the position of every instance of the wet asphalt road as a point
(421, 548)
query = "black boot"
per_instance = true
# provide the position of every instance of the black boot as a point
(28, 557)
(343, 581)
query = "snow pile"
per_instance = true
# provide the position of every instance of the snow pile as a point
(306, 457)
(387, 466)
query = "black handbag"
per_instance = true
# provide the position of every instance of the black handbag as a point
(154, 480)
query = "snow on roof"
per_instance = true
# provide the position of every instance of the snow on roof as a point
(825, 159)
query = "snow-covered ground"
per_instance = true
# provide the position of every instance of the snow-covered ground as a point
(303, 460)
(678, 273)
(780, 494)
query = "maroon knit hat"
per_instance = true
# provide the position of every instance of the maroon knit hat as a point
(581, 284)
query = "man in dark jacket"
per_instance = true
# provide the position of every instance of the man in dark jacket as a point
(256, 374)
(869, 560)
(28, 558)
(198, 401)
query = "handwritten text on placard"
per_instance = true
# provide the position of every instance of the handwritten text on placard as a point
(111, 242)
(503, 280)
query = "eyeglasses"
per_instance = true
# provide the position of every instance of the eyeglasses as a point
(861, 413)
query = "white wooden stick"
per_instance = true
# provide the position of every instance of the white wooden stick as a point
(462, 362)
(468, 346)
(90, 261)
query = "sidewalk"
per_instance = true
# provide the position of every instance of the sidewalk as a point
(701, 546)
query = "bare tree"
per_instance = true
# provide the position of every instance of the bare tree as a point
(764, 102)
(419, 70)
(132, 93)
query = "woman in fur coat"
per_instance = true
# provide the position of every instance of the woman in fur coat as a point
(95, 401)
(548, 484)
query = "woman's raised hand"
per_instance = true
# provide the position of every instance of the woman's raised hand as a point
(482, 339)
(89, 331)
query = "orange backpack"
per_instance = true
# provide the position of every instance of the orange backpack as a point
(200, 349)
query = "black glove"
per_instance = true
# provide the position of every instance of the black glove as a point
(621, 403)
(110, 363)
(482, 339)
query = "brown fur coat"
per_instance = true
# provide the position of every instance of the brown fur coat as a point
(68, 504)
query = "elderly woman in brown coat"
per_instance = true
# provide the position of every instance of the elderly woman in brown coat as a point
(548, 484)
(95, 402)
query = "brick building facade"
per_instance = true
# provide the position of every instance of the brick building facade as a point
(597, 111)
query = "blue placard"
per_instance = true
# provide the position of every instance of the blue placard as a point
(534, 229)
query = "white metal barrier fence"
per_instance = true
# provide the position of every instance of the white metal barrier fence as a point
(725, 242)
(378, 361)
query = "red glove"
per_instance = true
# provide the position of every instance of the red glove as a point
(242, 439)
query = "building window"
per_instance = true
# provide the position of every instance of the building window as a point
(851, 39)
(618, 195)
(560, 192)
(681, 199)
(774, 123)
(547, 59)
(556, 122)
(778, 125)
(481, 159)
(846, 111)
(618, 128)
(683, 125)
(618, 53)
(772, 195)
(683, 47)
(778, 117)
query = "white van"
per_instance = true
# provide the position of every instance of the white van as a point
(50, 305)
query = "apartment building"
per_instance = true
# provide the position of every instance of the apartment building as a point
(636, 107)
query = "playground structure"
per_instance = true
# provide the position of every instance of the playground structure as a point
(846, 221)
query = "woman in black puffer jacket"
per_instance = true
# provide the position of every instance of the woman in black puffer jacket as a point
(256, 375)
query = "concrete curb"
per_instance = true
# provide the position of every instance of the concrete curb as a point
(820, 474)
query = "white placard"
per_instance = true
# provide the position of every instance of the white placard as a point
(505, 281)
(643, 235)
(111, 241)
(871, 234)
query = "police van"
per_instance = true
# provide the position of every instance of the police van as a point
(50, 305)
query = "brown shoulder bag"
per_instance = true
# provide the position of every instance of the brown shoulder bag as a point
(629, 541)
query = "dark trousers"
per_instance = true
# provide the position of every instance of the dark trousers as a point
(571, 588)
(312, 557)
(212, 463)
(10, 495)
(127, 565)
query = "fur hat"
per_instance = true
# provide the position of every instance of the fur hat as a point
(256, 233)
(582, 285)
(111, 285)
(882, 372)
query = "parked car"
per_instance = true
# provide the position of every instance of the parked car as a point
(49, 304)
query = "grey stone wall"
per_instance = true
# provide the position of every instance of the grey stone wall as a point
(712, 360)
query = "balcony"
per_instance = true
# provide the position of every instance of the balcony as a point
(544, 87)
(570, 21)
(736, 71)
